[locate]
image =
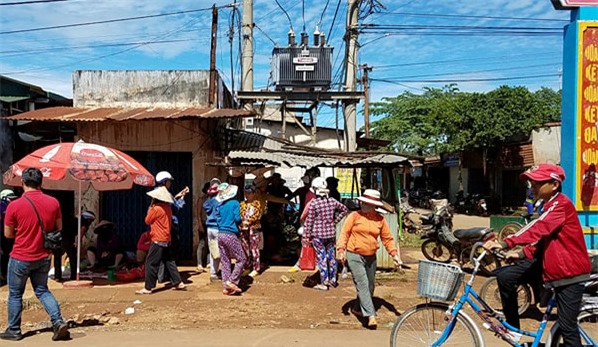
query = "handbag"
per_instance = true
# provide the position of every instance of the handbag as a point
(53, 239)
(308, 258)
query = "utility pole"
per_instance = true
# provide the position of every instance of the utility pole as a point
(366, 91)
(350, 106)
(247, 47)
(212, 88)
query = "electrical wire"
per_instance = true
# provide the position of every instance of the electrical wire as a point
(434, 15)
(29, 2)
(470, 72)
(265, 34)
(286, 14)
(104, 21)
(338, 4)
(471, 79)
(323, 11)
(537, 56)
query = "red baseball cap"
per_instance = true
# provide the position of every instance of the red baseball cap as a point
(544, 172)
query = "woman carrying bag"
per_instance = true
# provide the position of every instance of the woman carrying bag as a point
(357, 245)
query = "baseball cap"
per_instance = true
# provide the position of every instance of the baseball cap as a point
(544, 172)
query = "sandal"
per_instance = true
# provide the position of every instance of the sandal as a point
(143, 291)
(180, 286)
(232, 287)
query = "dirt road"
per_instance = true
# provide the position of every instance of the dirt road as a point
(278, 309)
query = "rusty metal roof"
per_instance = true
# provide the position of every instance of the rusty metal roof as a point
(80, 114)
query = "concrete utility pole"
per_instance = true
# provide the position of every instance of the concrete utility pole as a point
(350, 111)
(247, 47)
(366, 91)
(212, 90)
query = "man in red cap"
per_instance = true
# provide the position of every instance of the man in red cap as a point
(557, 234)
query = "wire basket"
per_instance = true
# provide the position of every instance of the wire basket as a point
(438, 281)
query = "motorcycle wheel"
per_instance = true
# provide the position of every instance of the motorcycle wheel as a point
(436, 251)
(508, 230)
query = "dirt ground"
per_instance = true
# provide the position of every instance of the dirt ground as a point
(275, 299)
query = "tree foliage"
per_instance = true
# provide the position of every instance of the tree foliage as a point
(447, 120)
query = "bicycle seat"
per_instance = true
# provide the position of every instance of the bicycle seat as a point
(472, 233)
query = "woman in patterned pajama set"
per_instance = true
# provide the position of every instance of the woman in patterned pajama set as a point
(320, 226)
(229, 216)
(250, 229)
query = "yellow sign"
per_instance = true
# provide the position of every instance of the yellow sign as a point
(346, 183)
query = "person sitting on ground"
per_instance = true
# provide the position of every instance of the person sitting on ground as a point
(143, 246)
(69, 244)
(564, 256)
(108, 250)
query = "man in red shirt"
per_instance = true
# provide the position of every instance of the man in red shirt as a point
(29, 259)
(565, 260)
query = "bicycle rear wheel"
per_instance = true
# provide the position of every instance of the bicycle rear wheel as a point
(491, 295)
(588, 326)
(423, 324)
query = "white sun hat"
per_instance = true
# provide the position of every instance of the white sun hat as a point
(371, 197)
(162, 194)
(227, 193)
(163, 176)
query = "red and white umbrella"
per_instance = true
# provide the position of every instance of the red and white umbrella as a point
(77, 165)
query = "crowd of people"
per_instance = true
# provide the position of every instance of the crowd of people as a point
(231, 225)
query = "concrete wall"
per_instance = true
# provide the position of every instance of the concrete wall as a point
(140, 88)
(546, 144)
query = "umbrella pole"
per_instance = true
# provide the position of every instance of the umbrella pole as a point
(79, 233)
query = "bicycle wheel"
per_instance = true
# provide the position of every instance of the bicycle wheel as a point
(423, 324)
(508, 229)
(490, 294)
(588, 326)
(435, 251)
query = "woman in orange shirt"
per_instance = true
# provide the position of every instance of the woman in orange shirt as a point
(357, 245)
(159, 218)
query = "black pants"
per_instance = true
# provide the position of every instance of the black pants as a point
(156, 256)
(5, 249)
(568, 301)
(71, 253)
(509, 278)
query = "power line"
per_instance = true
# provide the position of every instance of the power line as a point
(540, 54)
(470, 72)
(472, 17)
(455, 27)
(286, 14)
(103, 21)
(470, 79)
(323, 11)
(29, 2)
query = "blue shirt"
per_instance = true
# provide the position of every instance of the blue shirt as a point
(211, 207)
(229, 215)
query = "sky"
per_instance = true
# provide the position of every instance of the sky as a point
(410, 44)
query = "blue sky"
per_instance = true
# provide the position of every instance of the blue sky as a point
(412, 44)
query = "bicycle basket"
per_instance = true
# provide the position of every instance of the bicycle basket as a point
(438, 281)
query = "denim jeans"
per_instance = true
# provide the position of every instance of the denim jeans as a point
(18, 273)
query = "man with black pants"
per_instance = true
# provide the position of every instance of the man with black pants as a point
(565, 261)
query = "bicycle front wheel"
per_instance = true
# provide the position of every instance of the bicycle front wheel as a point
(588, 328)
(423, 324)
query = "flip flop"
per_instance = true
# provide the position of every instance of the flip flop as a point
(143, 291)
(180, 286)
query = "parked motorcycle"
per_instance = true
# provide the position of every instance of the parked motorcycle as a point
(412, 221)
(471, 204)
(442, 244)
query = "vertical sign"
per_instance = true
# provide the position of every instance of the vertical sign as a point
(587, 118)
(345, 182)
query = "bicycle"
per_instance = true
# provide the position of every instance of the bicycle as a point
(438, 323)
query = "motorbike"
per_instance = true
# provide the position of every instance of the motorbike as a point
(471, 204)
(412, 221)
(442, 244)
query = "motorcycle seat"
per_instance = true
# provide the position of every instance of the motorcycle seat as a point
(472, 233)
(426, 217)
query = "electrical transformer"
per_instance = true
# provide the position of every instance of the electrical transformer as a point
(302, 68)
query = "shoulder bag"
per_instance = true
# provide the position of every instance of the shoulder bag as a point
(53, 239)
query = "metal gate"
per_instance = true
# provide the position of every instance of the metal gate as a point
(127, 208)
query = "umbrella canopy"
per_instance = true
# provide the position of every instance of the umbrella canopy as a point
(66, 165)
(77, 165)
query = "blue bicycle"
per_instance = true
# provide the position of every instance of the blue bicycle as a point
(443, 324)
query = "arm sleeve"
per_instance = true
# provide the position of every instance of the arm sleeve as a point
(342, 212)
(548, 222)
(237, 212)
(387, 239)
(151, 215)
(343, 238)
(309, 221)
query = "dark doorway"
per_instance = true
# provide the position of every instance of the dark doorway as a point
(127, 208)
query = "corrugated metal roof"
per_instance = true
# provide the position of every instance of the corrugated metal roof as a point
(13, 98)
(78, 114)
(252, 148)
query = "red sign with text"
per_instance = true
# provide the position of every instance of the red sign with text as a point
(587, 118)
